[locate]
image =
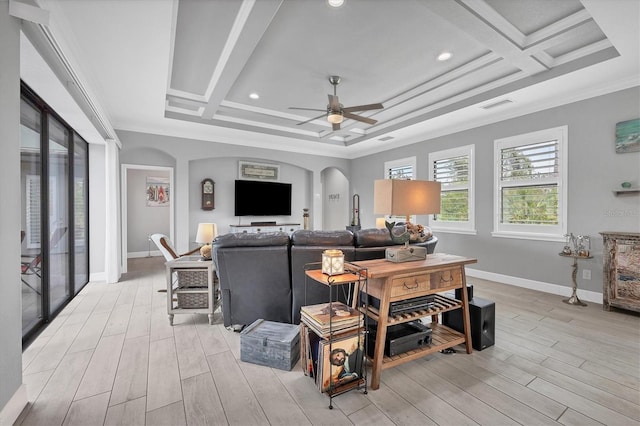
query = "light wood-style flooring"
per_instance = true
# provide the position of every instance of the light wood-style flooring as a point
(112, 358)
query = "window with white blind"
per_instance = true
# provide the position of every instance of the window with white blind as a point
(531, 185)
(454, 169)
(404, 168)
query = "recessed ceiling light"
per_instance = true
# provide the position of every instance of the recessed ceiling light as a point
(254, 96)
(335, 3)
(444, 56)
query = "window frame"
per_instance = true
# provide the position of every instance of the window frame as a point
(394, 164)
(458, 227)
(533, 232)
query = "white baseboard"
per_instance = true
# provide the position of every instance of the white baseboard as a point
(136, 254)
(10, 412)
(586, 295)
(97, 276)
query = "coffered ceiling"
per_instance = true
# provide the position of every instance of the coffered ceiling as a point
(188, 67)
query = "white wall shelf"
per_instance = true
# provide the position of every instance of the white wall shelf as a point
(617, 192)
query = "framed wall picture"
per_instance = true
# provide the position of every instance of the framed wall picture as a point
(258, 171)
(207, 191)
(628, 136)
(157, 191)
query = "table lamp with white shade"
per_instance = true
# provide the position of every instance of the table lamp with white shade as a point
(205, 235)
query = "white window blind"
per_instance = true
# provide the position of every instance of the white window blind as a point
(401, 172)
(453, 168)
(530, 184)
(453, 174)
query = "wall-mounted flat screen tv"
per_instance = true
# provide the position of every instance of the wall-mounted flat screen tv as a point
(259, 198)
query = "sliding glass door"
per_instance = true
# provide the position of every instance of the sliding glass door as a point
(30, 232)
(80, 212)
(54, 169)
(58, 183)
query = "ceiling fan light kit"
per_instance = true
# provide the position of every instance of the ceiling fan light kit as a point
(335, 117)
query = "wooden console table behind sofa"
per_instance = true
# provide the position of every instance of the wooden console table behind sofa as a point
(391, 282)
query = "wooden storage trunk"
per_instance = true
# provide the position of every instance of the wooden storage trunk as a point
(272, 344)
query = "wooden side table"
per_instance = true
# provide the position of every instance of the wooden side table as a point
(573, 300)
(196, 290)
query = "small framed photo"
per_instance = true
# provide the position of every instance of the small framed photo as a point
(258, 171)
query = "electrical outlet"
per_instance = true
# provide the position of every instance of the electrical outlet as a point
(586, 274)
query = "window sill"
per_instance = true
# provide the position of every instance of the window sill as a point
(529, 236)
(454, 230)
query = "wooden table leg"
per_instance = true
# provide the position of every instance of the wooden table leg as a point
(381, 337)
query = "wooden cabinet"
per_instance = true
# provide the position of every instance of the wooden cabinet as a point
(621, 271)
(390, 282)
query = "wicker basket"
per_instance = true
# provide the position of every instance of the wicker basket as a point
(189, 279)
(193, 300)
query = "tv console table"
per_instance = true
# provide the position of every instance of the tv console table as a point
(289, 228)
(390, 282)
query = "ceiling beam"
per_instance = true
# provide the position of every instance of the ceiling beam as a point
(28, 12)
(251, 22)
(478, 20)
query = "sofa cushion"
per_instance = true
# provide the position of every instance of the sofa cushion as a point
(260, 239)
(255, 277)
(305, 237)
(373, 237)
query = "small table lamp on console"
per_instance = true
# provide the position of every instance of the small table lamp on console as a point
(397, 197)
(205, 235)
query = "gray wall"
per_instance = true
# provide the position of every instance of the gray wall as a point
(594, 171)
(205, 158)
(143, 220)
(10, 300)
(337, 204)
(224, 172)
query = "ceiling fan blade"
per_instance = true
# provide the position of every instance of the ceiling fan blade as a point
(335, 126)
(311, 119)
(334, 104)
(359, 118)
(307, 109)
(363, 107)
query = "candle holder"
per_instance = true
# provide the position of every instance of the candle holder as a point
(567, 247)
(577, 245)
(584, 245)
(332, 262)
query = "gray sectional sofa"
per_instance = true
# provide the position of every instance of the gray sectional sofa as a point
(262, 275)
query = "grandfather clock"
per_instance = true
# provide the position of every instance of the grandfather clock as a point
(207, 194)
